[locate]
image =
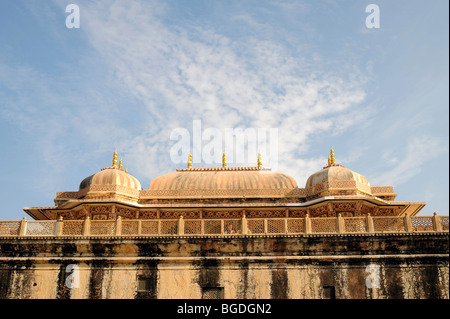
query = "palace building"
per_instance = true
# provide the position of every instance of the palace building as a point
(226, 232)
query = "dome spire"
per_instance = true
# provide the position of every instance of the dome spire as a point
(259, 160)
(331, 158)
(189, 163)
(114, 162)
(224, 162)
(120, 164)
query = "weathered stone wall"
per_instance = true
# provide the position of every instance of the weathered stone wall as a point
(353, 266)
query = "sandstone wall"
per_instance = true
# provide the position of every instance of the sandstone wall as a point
(307, 266)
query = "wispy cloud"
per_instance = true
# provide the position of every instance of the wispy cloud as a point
(416, 153)
(184, 74)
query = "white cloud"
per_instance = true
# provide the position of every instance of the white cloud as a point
(196, 73)
(417, 152)
(177, 74)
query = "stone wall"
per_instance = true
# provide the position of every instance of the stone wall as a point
(305, 266)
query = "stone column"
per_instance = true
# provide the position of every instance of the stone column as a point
(87, 226)
(181, 225)
(23, 227)
(139, 227)
(340, 224)
(59, 226)
(370, 227)
(437, 225)
(307, 224)
(118, 226)
(244, 224)
(408, 224)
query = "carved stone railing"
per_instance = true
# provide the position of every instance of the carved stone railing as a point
(225, 227)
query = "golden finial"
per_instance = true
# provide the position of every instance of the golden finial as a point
(332, 160)
(189, 163)
(126, 170)
(224, 162)
(120, 164)
(115, 158)
(329, 161)
(259, 160)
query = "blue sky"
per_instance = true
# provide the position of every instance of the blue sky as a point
(136, 70)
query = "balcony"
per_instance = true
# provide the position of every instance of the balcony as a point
(224, 227)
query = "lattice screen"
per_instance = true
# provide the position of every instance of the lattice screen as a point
(220, 226)
(265, 213)
(41, 228)
(212, 226)
(149, 227)
(296, 225)
(388, 224)
(232, 226)
(192, 227)
(9, 228)
(323, 225)
(297, 213)
(255, 226)
(130, 227)
(275, 226)
(222, 214)
(169, 227)
(103, 227)
(444, 222)
(72, 227)
(355, 224)
(422, 223)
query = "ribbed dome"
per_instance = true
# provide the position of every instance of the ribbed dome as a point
(335, 173)
(225, 178)
(111, 176)
(336, 176)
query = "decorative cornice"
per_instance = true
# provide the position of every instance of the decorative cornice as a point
(209, 236)
(225, 168)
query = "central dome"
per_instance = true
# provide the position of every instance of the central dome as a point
(223, 178)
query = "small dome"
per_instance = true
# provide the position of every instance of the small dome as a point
(334, 173)
(335, 176)
(111, 176)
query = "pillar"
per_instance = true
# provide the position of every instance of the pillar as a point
(181, 225)
(87, 226)
(23, 227)
(437, 225)
(118, 226)
(59, 226)
(307, 224)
